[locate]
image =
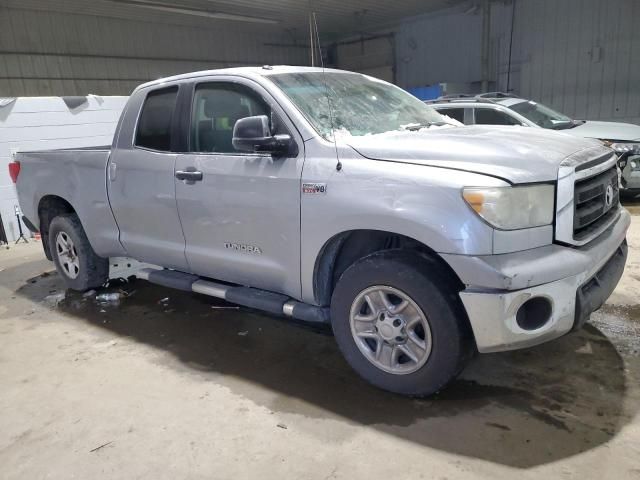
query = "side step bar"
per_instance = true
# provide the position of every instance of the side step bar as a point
(248, 297)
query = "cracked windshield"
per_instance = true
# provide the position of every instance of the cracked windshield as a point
(360, 105)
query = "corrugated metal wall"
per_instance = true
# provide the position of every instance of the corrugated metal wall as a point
(373, 56)
(580, 56)
(439, 48)
(60, 54)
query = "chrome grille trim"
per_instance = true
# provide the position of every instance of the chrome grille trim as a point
(567, 178)
(591, 205)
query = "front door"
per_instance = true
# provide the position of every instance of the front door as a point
(142, 185)
(240, 212)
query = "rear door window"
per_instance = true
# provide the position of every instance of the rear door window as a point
(154, 125)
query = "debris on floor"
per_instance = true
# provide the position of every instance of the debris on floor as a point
(108, 297)
(127, 294)
(54, 299)
(101, 446)
(586, 349)
(117, 282)
(244, 333)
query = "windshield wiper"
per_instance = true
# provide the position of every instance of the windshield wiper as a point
(414, 127)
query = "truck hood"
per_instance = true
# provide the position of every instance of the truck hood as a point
(606, 131)
(515, 154)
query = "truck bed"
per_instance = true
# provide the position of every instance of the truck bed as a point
(77, 176)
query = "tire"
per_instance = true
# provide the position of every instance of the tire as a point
(422, 283)
(76, 262)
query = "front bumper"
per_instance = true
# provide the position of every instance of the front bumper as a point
(575, 281)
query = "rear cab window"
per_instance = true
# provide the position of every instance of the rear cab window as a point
(154, 130)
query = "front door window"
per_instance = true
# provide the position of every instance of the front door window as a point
(216, 109)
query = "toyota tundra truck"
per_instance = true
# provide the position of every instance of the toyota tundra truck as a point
(334, 197)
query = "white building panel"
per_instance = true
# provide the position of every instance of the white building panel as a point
(42, 123)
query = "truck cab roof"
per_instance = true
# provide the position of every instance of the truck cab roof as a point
(249, 72)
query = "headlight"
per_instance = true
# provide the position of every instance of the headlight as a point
(513, 208)
(626, 147)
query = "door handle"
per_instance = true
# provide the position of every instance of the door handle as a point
(189, 175)
(112, 171)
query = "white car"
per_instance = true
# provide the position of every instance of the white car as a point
(506, 109)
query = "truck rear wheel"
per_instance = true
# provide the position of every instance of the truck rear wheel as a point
(76, 262)
(399, 324)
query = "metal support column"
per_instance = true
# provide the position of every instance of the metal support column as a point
(486, 43)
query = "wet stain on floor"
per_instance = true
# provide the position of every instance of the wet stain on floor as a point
(620, 323)
(532, 400)
(629, 312)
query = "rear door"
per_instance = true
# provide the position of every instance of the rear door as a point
(141, 180)
(241, 213)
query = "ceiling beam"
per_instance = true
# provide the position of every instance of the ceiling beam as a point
(183, 10)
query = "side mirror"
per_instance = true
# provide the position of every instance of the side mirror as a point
(252, 134)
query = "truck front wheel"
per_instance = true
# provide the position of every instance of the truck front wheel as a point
(399, 324)
(76, 262)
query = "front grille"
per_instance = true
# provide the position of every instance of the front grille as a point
(596, 201)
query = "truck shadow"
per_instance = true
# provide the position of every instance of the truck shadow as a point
(520, 409)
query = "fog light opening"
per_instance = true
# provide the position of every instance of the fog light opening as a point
(534, 313)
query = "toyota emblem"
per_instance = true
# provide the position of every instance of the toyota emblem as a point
(608, 196)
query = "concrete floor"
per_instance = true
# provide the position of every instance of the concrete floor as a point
(179, 389)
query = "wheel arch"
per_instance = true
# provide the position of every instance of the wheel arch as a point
(49, 207)
(345, 248)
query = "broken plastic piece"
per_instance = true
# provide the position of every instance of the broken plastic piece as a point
(108, 297)
(55, 299)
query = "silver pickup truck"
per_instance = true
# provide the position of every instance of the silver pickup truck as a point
(334, 197)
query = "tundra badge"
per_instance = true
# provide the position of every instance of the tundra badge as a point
(241, 247)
